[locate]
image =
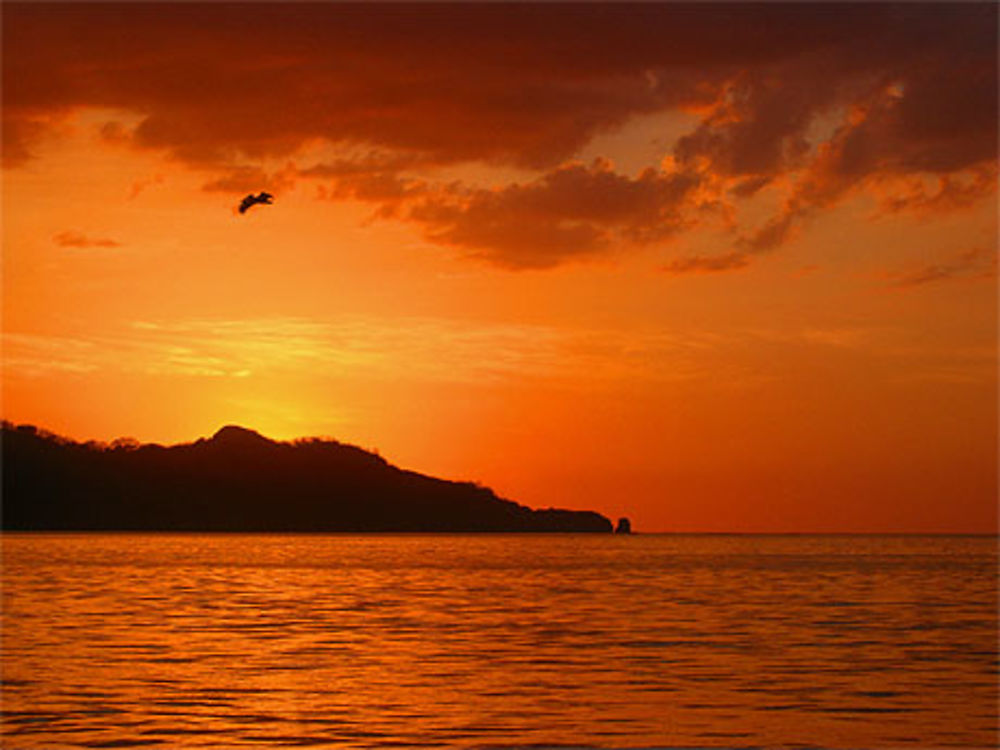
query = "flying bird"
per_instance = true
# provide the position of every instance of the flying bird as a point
(250, 200)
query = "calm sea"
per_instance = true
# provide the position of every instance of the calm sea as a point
(499, 641)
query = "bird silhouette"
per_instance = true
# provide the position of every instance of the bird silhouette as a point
(250, 200)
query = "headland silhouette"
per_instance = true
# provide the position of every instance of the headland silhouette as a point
(241, 481)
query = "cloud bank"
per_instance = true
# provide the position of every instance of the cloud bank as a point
(821, 101)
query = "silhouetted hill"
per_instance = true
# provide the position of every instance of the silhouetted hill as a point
(241, 481)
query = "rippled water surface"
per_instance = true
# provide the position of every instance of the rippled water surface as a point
(471, 641)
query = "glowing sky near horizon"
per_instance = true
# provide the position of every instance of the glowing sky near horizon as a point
(716, 268)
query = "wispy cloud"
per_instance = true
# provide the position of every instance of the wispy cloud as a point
(34, 356)
(708, 263)
(977, 263)
(456, 352)
(140, 185)
(434, 349)
(71, 238)
(425, 348)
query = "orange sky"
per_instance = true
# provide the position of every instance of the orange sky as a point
(714, 268)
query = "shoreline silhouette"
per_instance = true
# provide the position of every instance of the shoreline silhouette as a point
(241, 481)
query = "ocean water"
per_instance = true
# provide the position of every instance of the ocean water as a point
(228, 641)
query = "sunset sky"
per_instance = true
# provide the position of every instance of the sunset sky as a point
(715, 268)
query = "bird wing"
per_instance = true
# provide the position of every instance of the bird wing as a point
(252, 199)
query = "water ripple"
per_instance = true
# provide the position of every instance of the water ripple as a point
(194, 641)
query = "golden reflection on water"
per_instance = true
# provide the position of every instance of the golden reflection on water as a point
(370, 641)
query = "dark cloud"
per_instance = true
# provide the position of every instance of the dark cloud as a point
(946, 193)
(72, 238)
(887, 146)
(385, 188)
(372, 162)
(776, 231)
(750, 186)
(237, 180)
(244, 179)
(831, 97)
(924, 86)
(758, 128)
(528, 83)
(572, 211)
(20, 131)
(213, 82)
